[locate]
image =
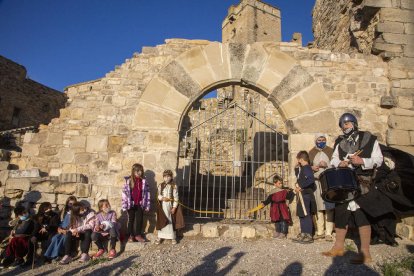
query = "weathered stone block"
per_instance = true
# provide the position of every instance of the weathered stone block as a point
(262, 231)
(24, 173)
(390, 27)
(233, 231)
(65, 188)
(192, 230)
(248, 232)
(83, 158)
(407, 83)
(115, 143)
(150, 117)
(4, 175)
(72, 178)
(398, 38)
(44, 186)
(407, 4)
(54, 139)
(83, 190)
(18, 184)
(377, 3)
(115, 162)
(195, 63)
(66, 155)
(96, 143)
(30, 150)
(5, 155)
(327, 123)
(398, 15)
(398, 137)
(409, 28)
(210, 230)
(401, 122)
(4, 165)
(78, 142)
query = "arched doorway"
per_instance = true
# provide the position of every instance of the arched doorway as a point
(233, 143)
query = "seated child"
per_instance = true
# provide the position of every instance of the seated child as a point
(279, 210)
(106, 227)
(306, 204)
(47, 223)
(168, 220)
(21, 241)
(57, 243)
(82, 222)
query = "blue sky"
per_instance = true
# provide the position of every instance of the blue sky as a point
(66, 42)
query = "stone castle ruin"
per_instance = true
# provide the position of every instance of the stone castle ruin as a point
(149, 109)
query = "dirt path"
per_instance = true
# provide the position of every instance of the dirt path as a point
(195, 256)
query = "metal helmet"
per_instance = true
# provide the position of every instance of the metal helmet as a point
(348, 117)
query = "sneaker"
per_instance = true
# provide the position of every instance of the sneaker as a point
(157, 241)
(84, 258)
(65, 260)
(111, 254)
(329, 238)
(139, 238)
(99, 253)
(276, 235)
(173, 241)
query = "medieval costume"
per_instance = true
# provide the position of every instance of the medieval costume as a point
(168, 223)
(279, 210)
(306, 205)
(361, 152)
(320, 157)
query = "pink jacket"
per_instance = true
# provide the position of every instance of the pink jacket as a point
(86, 223)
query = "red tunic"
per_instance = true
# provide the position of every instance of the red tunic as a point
(279, 207)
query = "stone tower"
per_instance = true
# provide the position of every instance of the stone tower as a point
(252, 21)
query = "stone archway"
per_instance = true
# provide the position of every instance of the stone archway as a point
(300, 100)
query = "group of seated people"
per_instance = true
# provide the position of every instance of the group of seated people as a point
(60, 234)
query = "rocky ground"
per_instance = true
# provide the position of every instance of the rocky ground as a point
(201, 256)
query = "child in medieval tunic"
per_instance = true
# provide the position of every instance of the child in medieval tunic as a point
(279, 210)
(168, 202)
(306, 200)
(106, 227)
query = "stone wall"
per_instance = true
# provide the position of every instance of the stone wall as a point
(24, 102)
(133, 114)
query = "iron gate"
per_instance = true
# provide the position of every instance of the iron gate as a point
(230, 155)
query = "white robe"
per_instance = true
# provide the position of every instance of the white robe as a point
(320, 203)
(168, 231)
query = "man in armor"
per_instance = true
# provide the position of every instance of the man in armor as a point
(360, 151)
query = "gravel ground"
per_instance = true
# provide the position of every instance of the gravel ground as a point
(197, 256)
